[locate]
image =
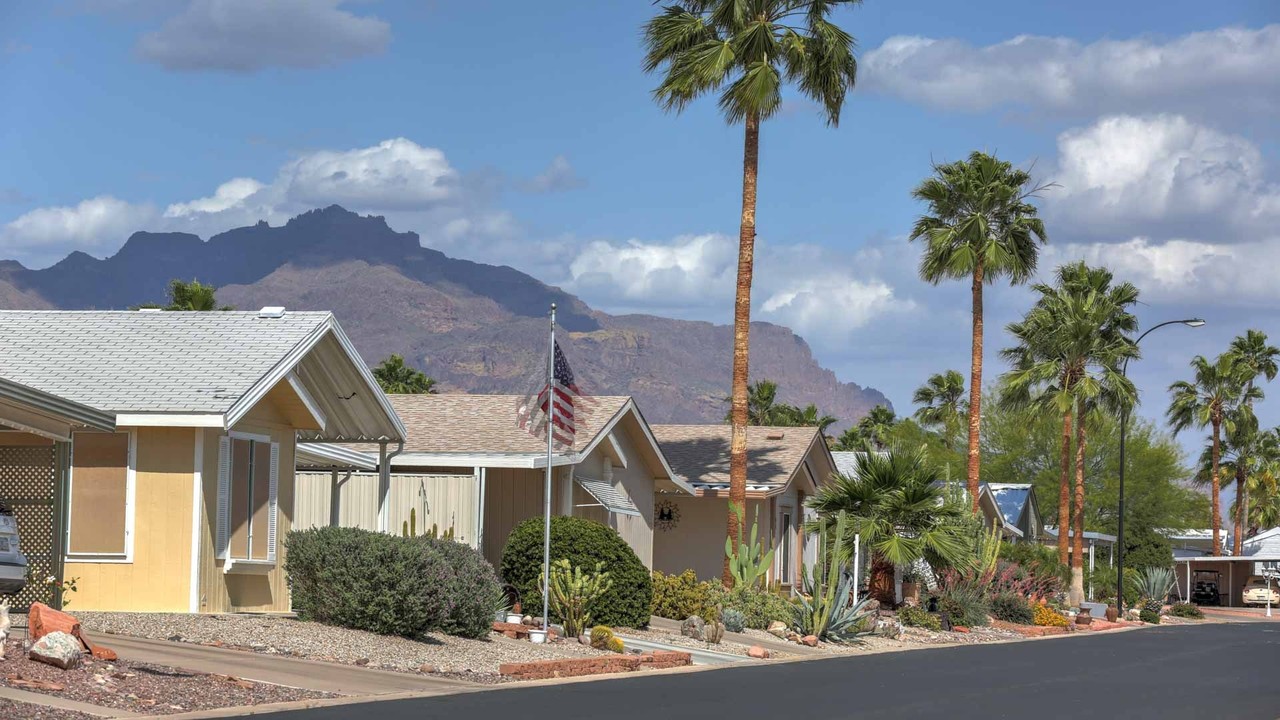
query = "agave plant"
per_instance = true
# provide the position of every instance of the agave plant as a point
(1155, 584)
(751, 562)
(826, 608)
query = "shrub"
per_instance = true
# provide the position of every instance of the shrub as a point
(1147, 615)
(474, 587)
(679, 596)
(734, 620)
(583, 543)
(370, 581)
(1046, 616)
(600, 636)
(918, 617)
(1185, 610)
(758, 607)
(1013, 608)
(963, 598)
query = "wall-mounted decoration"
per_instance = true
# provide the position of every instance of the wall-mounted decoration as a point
(666, 514)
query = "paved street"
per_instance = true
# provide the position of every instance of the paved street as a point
(1201, 672)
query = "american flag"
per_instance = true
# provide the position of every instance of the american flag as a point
(568, 399)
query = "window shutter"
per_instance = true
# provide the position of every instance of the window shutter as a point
(273, 502)
(224, 497)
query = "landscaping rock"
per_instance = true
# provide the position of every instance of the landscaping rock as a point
(810, 640)
(757, 652)
(694, 627)
(584, 639)
(557, 630)
(526, 620)
(873, 605)
(426, 668)
(58, 649)
(887, 627)
(1133, 614)
(777, 629)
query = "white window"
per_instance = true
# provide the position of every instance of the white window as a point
(101, 499)
(248, 488)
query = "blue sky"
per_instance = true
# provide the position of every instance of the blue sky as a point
(523, 134)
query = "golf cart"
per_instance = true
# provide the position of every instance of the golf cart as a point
(1204, 587)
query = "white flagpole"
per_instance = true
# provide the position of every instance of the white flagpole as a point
(546, 505)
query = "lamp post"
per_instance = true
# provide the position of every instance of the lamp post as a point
(1124, 419)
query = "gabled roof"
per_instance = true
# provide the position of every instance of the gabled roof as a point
(211, 367)
(30, 410)
(775, 455)
(1011, 498)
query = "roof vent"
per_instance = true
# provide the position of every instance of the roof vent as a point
(271, 311)
(775, 436)
(141, 309)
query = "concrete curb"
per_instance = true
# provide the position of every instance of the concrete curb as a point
(53, 701)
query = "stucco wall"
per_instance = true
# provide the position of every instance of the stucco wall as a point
(697, 541)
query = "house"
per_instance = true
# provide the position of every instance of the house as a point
(467, 466)
(1258, 554)
(785, 466)
(162, 445)
(1018, 507)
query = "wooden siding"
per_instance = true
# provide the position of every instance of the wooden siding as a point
(511, 495)
(445, 500)
(159, 578)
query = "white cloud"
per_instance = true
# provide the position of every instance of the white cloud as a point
(228, 195)
(44, 235)
(684, 273)
(249, 35)
(558, 177)
(1125, 176)
(1190, 73)
(395, 174)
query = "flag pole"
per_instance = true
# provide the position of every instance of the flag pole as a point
(546, 504)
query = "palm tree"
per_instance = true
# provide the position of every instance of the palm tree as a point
(189, 296)
(810, 416)
(872, 430)
(1263, 484)
(397, 378)
(1255, 358)
(1211, 401)
(1071, 346)
(746, 52)
(900, 512)
(942, 401)
(982, 226)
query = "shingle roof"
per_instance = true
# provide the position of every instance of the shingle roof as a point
(700, 453)
(847, 460)
(483, 424)
(177, 362)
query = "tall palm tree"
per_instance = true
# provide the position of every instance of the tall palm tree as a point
(943, 404)
(981, 226)
(901, 514)
(810, 416)
(746, 52)
(872, 430)
(1071, 345)
(1211, 401)
(1263, 484)
(1256, 359)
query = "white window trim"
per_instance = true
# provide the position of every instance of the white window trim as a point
(232, 565)
(785, 538)
(130, 506)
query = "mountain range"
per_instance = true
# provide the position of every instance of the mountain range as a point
(474, 327)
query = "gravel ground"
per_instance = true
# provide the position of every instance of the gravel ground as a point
(140, 687)
(728, 647)
(476, 660)
(11, 710)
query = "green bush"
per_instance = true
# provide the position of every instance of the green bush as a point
(676, 597)
(963, 599)
(1149, 616)
(758, 607)
(372, 581)
(918, 617)
(583, 543)
(1012, 608)
(473, 585)
(1185, 610)
(734, 620)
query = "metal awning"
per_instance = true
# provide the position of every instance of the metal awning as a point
(611, 498)
(330, 455)
(35, 411)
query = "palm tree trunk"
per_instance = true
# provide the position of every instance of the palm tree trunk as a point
(1064, 492)
(975, 386)
(880, 584)
(741, 330)
(1216, 521)
(1077, 522)
(1242, 498)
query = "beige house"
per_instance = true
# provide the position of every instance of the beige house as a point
(169, 484)
(468, 467)
(785, 466)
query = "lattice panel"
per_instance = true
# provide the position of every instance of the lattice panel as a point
(27, 488)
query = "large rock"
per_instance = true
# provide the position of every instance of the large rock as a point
(777, 629)
(887, 627)
(810, 640)
(694, 627)
(58, 649)
(757, 652)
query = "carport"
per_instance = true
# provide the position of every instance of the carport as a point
(1235, 570)
(35, 463)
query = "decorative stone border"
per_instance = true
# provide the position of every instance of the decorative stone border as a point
(543, 669)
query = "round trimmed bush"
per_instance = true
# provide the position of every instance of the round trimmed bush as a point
(583, 543)
(473, 586)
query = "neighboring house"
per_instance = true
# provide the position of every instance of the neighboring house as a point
(467, 465)
(181, 503)
(1230, 572)
(1018, 507)
(1194, 542)
(785, 466)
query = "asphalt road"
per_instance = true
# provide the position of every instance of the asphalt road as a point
(1204, 672)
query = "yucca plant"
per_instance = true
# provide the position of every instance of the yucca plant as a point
(826, 608)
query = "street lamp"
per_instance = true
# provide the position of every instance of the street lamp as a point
(1124, 418)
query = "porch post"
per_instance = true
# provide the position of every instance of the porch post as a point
(384, 488)
(57, 550)
(335, 501)
(479, 475)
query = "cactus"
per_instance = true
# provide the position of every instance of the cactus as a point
(615, 645)
(600, 636)
(409, 528)
(714, 632)
(750, 563)
(573, 592)
(734, 620)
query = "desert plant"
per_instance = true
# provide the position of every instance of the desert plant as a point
(676, 597)
(1013, 608)
(616, 645)
(749, 563)
(734, 620)
(963, 598)
(1155, 584)
(1046, 616)
(574, 592)
(917, 617)
(758, 607)
(1147, 615)
(1185, 610)
(600, 636)
(986, 551)
(826, 608)
(583, 543)
(713, 632)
